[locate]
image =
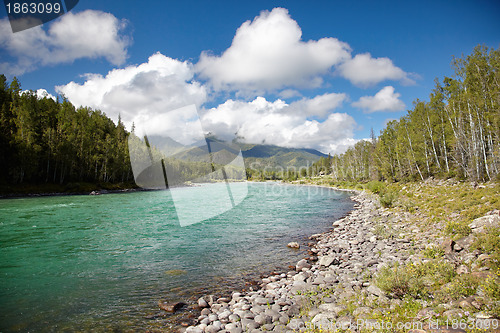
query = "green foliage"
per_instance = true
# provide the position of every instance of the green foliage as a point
(396, 281)
(489, 242)
(491, 287)
(388, 199)
(457, 229)
(433, 252)
(376, 187)
(454, 134)
(312, 298)
(462, 286)
(415, 280)
(47, 141)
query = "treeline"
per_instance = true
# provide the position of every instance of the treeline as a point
(321, 167)
(47, 141)
(455, 134)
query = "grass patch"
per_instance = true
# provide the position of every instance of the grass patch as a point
(489, 242)
(433, 252)
(491, 287)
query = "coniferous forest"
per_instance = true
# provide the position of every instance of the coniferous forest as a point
(47, 141)
(455, 134)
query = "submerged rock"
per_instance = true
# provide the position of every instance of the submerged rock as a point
(170, 307)
(293, 245)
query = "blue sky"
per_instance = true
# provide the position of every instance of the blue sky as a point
(315, 74)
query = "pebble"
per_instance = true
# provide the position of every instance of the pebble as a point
(344, 255)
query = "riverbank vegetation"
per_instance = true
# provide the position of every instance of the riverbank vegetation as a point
(456, 134)
(454, 274)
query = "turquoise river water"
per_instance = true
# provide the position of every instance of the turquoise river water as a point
(101, 263)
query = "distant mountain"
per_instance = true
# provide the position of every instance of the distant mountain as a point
(165, 144)
(255, 155)
(275, 156)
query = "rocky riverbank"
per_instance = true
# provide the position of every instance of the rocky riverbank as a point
(335, 271)
(336, 287)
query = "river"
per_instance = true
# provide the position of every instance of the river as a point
(81, 263)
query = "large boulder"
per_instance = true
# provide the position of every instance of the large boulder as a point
(491, 220)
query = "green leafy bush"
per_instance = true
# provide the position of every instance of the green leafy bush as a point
(376, 187)
(388, 199)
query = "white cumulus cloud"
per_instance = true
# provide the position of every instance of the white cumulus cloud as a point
(140, 93)
(384, 100)
(87, 34)
(276, 123)
(318, 106)
(363, 70)
(268, 53)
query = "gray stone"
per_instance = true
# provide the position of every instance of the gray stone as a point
(482, 223)
(263, 319)
(267, 327)
(273, 314)
(426, 314)
(345, 322)
(323, 320)
(233, 328)
(293, 310)
(295, 324)
(262, 301)
(361, 311)
(293, 245)
(194, 329)
(453, 313)
(302, 264)
(284, 318)
(248, 315)
(326, 261)
(332, 308)
(234, 318)
(373, 289)
(202, 303)
(211, 329)
(224, 314)
(248, 324)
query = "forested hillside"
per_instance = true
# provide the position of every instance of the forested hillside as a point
(47, 141)
(454, 134)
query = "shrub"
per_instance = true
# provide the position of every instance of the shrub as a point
(396, 281)
(413, 279)
(376, 186)
(388, 199)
